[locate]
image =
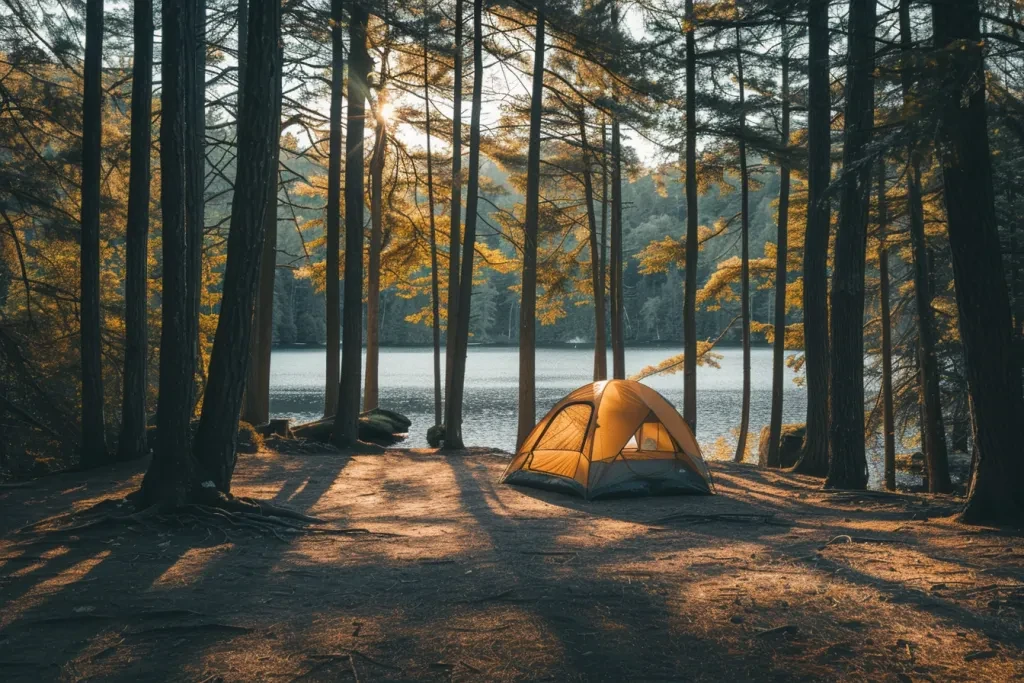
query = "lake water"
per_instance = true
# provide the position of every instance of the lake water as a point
(492, 376)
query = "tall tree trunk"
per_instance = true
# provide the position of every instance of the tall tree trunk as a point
(1016, 297)
(94, 440)
(453, 407)
(377, 160)
(603, 267)
(781, 258)
(346, 422)
(334, 160)
(888, 427)
(172, 472)
(615, 277)
(692, 228)
(741, 441)
(1016, 293)
(455, 223)
(132, 442)
(259, 134)
(597, 282)
(528, 305)
(242, 16)
(435, 294)
(814, 455)
(986, 327)
(256, 403)
(256, 406)
(847, 467)
(195, 173)
(933, 427)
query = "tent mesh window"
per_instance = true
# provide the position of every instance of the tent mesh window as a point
(567, 430)
(652, 436)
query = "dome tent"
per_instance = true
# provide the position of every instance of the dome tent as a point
(611, 438)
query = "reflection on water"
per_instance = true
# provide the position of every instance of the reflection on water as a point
(492, 376)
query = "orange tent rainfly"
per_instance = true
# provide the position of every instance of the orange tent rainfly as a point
(612, 438)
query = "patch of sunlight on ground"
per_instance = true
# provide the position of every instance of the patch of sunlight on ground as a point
(188, 567)
(18, 555)
(48, 587)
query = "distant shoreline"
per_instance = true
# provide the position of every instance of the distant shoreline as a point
(562, 345)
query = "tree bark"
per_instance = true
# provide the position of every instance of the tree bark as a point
(741, 441)
(596, 279)
(781, 258)
(435, 302)
(258, 143)
(332, 294)
(453, 408)
(528, 305)
(615, 276)
(933, 427)
(692, 229)
(992, 368)
(132, 442)
(377, 160)
(256, 406)
(256, 403)
(346, 423)
(455, 223)
(847, 462)
(94, 441)
(172, 472)
(603, 264)
(888, 428)
(195, 174)
(814, 456)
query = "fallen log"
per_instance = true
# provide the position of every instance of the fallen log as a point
(380, 427)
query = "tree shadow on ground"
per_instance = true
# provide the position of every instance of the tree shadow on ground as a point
(116, 595)
(487, 582)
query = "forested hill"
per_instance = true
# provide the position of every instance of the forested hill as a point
(653, 208)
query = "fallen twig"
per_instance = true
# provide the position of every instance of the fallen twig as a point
(469, 666)
(845, 538)
(738, 517)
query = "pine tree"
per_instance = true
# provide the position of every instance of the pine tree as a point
(258, 144)
(692, 227)
(847, 460)
(814, 455)
(172, 472)
(333, 298)
(888, 428)
(781, 257)
(528, 306)
(453, 407)
(346, 421)
(741, 441)
(132, 442)
(933, 428)
(94, 441)
(455, 211)
(992, 367)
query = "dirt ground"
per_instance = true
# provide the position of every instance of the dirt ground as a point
(463, 579)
